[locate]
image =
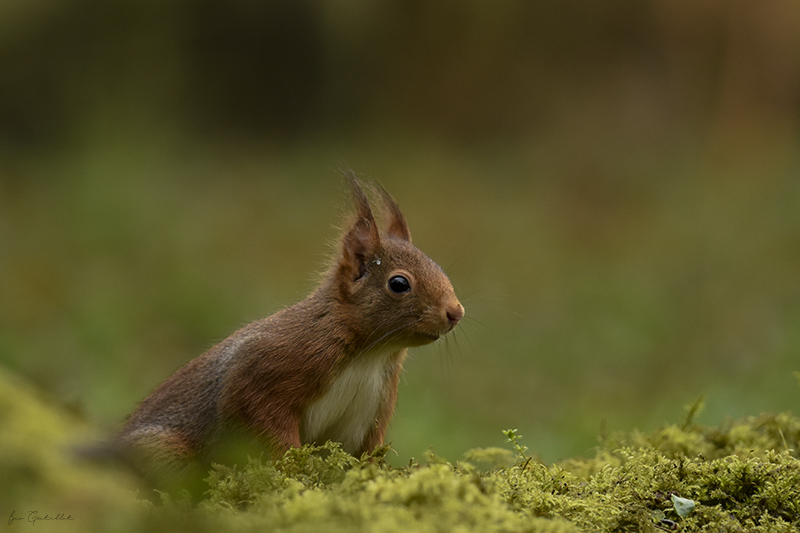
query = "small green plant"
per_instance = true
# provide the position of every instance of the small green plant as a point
(693, 410)
(513, 439)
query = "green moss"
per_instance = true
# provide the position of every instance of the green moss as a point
(342, 494)
(40, 472)
(743, 475)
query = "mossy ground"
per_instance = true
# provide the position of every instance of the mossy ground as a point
(743, 475)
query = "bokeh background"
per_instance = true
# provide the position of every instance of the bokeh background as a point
(613, 188)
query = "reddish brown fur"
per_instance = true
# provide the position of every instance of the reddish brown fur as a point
(265, 377)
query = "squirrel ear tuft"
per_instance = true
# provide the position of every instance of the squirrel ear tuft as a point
(362, 240)
(396, 222)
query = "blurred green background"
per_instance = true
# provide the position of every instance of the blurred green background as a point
(613, 188)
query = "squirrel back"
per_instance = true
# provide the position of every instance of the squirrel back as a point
(326, 368)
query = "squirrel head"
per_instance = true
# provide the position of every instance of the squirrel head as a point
(391, 293)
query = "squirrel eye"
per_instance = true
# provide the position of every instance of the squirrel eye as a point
(399, 284)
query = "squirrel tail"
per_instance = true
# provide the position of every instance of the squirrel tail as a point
(99, 452)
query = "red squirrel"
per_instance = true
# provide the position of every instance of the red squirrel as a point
(326, 368)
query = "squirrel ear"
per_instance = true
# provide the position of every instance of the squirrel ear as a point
(397, 226)
(362, 239)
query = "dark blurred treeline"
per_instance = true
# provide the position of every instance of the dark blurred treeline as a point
(621, 71)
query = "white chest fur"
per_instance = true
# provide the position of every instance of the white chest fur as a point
(349, 408)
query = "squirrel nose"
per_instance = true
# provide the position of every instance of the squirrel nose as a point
(455, 313)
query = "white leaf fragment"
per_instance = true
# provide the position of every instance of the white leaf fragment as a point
(683, 506)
